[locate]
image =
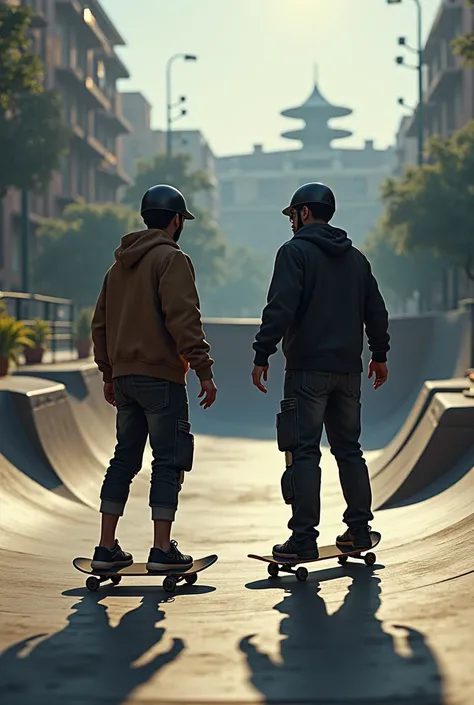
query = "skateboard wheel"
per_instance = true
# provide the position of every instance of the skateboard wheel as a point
(370, 558)
(302, 574)
(116, 579)
(342, 560)
(191, 578)
(169, 584)
(92, 583)
(273, 570)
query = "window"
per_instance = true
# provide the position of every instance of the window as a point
(63, 34)
(101, 77)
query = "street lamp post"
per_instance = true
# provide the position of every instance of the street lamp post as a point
(169, 106)
(419, 68)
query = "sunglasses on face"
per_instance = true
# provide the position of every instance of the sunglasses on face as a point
(293, 215)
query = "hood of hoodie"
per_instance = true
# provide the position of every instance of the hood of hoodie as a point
(333, 241)
(134, 246)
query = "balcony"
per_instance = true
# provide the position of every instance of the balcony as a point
(443, 82)
(444, 26)
(70, 10)
(95, 92)
(115, 173)
(115, 65)
(118, 123)
(100, 150)
(73, 11)
(74, 77)
(114, 119)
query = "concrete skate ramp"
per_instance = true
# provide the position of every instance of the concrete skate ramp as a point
(423, 347)
(403, 628)
(94, 416)
(427, 393)
(41, 437)
(444, 435)
(20, 444)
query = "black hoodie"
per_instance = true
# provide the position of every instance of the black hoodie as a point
(322, 294)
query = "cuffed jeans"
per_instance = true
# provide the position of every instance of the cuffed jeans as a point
(158, 409)
(314, 399)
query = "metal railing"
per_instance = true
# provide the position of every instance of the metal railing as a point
(59, 313)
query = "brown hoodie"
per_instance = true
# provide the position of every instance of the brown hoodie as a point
(147, 319)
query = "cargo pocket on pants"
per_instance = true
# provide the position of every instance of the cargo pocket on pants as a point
(184, 453)
(287, 436)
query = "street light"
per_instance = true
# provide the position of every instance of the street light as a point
(401, 101)
(169, 106)
(419, 51)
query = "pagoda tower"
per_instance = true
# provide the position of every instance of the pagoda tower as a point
(316, 135)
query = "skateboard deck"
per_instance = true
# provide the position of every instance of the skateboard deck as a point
(275, 565)
(115, 575)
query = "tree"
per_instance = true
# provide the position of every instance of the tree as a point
(32, 135)
(21, 69)
(174, 170)
(243, 294)
(77, 250)
(432, 207)
(464, 46)
(201, 239)
(402, 276)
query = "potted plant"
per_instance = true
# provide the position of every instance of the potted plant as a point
(14, 337)
(82, 333)
(40, 334)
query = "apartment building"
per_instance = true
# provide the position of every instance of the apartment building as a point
(76, 42)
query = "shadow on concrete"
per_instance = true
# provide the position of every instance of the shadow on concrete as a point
(342, 656)
(91, 660)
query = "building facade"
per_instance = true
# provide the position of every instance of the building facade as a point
(448, 105)
(76, 42)
(254, 188)
(449, 86)
(143, 143)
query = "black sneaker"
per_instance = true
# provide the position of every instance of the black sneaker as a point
(355, 537)
(163, 560)
(293, 549)
(105, 558)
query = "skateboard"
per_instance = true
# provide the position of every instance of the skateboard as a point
(115, 575)
(342, 554)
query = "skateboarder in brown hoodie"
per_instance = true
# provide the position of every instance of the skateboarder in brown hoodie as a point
(147, 332)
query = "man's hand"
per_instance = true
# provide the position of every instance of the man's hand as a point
(257, 374)
(209, 392)
(109, 393)
(379, 371)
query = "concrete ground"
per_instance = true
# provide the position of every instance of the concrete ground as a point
(401, 632)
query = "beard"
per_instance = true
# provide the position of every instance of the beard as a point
(178, 232)
(298, 222)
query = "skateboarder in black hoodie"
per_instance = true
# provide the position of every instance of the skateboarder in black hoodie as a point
(321, 296)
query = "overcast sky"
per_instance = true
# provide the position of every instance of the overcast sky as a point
(258, 57)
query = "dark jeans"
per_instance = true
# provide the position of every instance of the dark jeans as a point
(311, 400)
(158, 409)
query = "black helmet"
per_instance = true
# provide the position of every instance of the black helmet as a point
(165, 198)
(313, 192)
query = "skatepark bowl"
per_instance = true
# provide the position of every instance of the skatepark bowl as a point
(400, 631)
